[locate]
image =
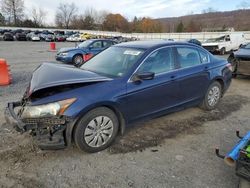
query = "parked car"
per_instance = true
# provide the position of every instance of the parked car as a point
(86, 36)
(224, 44)
(7, 36)
(2, 31)
(60, 38)
(194, 41)
(35, 37)
(123, 84)
(49, 38)
(20, 37)
(75, 55)
(240, 60)
(74, 38)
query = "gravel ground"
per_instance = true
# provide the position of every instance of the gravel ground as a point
(176, 150)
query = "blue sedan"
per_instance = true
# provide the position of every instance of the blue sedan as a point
(123, 84)
(88, 47)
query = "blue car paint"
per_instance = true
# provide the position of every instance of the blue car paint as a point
(166, 93)
(71, 52)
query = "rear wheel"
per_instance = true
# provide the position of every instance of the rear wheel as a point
(77, 60)
(222, 51)
(212, 96)
(96, 130)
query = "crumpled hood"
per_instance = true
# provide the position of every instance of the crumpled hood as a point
(51, 75)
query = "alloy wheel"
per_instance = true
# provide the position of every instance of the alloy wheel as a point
(98, 131)
(213, 96)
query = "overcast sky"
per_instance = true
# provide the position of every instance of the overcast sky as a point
(139, 8)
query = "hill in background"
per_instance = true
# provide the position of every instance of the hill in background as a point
(213, 21)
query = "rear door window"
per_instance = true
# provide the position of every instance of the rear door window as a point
(188, 57)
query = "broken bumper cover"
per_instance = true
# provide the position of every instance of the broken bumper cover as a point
(49, 132)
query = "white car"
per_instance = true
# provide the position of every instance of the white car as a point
(74, 38)
(225, 43)
(35, 38)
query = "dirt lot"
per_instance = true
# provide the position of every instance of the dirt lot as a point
(176, 150)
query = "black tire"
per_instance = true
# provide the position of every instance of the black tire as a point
(222, 51)
(243, 183)
(77, 60)
(206, 104)
(79, 131)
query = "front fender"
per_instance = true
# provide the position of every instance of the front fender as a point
(111, 105)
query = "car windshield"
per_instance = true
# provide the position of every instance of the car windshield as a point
(85, 44)
(220, 39)
(113, 62)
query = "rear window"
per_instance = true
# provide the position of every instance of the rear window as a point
(204, 56)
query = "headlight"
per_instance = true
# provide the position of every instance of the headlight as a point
(51, 109)
(64, 54)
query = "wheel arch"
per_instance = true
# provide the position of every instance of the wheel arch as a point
(221, 82)
(71, 127)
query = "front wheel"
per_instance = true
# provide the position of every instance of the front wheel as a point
(212, 97)
(78, 60)
(96, 130)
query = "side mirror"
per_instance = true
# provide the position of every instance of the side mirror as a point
(143, 76)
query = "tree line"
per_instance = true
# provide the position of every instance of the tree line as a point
(67, 16)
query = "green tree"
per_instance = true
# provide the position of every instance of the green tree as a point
(89, 22)
(2, 19)
(180, 27)
(29, 23)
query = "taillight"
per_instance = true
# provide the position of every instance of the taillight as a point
(230, 67)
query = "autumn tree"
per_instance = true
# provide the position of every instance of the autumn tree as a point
(192, 27)
(115, 22)
(148, 25)
(38, 16)
(64, 14)
(13, 10)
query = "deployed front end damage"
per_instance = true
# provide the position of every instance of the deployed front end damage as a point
(41, 112)
(49, 132)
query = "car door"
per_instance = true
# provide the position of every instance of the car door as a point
(96, 47)
(193, 72)
(106, 44)
(162, 92)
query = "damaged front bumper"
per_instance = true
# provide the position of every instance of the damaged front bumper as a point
(49, 132)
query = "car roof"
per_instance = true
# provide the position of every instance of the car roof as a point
(152, 44)
(100, 39)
